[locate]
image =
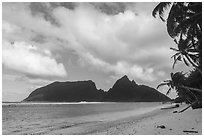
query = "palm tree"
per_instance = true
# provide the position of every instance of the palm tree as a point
(186, 53)
(184, 17)
(160, 9)
(179, 82)
(175, 82)
(184, 25)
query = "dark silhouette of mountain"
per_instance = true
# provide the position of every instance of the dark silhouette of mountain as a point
(123, 90)
(67, 92)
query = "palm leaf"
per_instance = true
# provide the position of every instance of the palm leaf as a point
(175, 55)
(167, 93)
(191, 62)
(186, 62)
(175, 41)
(171, 21)
(194, 58)
(175, 61)
(162, 84)
(174, 49)
(179, 58)
(160, 9)
(193, 50)
(172, 74)
(167, 81)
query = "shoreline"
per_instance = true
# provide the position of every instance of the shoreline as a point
(103, 123)
(149, 121)
(164, 122)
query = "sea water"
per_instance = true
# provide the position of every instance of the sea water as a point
(34, 118)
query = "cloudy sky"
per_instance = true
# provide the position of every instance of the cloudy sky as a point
(46, 42)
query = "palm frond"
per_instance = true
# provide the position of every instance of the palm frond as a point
(174, 49)
(171, 21)
(167, 93)
(172, 74)
(184, 25)
(175, 61)
(167, 81)
(174, 56)
(160, 9)
(186, 62)
(191, 62)
(193, 50)
(162, 84)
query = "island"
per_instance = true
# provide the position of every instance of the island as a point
(123, 90)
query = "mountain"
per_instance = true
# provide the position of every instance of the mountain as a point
(123, 90)
(128, 91)
(67, 92)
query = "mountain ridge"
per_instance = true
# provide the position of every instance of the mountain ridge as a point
(128, 91)
(123, 90)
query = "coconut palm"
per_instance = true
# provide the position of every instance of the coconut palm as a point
(185, 52)
(160, 8)
(179, 82)
(175, 82)
(184, 25)
(184, 17)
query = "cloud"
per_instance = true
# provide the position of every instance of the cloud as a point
(8, 28)
(103, 41)
(111, 8)
(102, 34)
(120, 68)
(120, 40)
(26, 58)
(24, 78)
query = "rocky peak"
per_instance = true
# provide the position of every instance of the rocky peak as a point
(123, 82)
(123, 79)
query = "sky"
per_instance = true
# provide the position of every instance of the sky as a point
(47, 42)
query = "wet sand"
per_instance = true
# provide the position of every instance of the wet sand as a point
(152, 122)
(158, 122)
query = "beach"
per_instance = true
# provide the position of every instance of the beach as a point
(163, 123)
(105, 119)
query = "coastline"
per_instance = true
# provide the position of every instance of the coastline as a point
(146, 124)
(162, 123)
(132, 122)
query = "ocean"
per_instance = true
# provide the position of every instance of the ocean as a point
(43, 118)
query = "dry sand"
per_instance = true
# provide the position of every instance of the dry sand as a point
(158, 122)
(154, 122)
(165, 123)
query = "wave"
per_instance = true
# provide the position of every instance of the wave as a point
(52, 103)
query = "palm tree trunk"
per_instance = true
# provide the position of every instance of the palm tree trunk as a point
(187, 107)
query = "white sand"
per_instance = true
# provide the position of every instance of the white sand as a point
(121, 123)
(175, 124)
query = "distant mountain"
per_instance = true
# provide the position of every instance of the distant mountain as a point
(67, 92)
(128, 91)
(123, 90)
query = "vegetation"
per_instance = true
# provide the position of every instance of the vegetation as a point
(184, 25)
